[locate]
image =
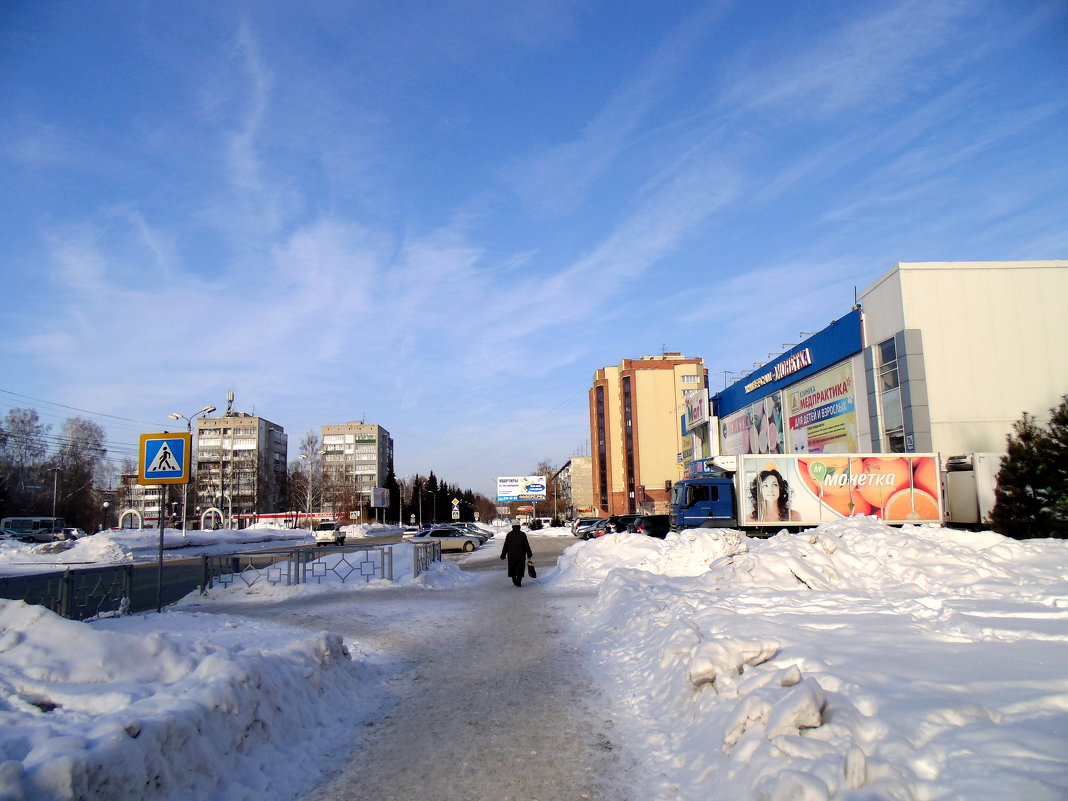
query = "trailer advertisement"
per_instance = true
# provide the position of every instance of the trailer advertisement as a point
(807, 490)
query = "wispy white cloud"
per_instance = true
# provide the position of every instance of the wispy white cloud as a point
(555, 182)
(882, 56)
(245, 164)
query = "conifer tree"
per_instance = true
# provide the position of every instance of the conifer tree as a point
(1021, 507)
(1057, 466)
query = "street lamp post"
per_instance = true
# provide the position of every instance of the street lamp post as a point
(189, 427)
(55, 488)
(104, 523)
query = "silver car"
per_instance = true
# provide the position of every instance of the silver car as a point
(472, 529)
(451, 539)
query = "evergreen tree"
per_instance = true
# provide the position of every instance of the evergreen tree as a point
(1057, 466)
(1022, 503)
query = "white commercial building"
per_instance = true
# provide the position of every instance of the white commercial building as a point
(936, 357)
(974, 346)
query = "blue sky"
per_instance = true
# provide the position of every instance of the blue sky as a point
(443, 217)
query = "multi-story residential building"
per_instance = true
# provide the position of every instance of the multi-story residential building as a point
(137, 505)
(635, 426)
(357, 458)
(574, 482)
(240, 465)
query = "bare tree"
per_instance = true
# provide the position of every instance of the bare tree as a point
(306, 475)
(79, 458)
(23, 451)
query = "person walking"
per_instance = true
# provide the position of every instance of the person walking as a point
(517, 551)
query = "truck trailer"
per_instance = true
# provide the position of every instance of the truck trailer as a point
(769, 492)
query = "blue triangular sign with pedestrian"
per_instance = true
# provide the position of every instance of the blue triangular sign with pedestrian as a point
(164, 459)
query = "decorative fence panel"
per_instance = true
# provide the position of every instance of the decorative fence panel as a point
(82, 593)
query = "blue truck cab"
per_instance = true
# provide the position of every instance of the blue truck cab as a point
(707, 501)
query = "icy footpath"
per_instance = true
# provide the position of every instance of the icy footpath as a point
(852, 661)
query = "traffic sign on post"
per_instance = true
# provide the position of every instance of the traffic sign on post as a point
(164, 459)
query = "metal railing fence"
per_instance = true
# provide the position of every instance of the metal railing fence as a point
(74, 593)
(82, 593)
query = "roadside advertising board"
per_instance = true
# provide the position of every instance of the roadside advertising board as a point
(520, 488)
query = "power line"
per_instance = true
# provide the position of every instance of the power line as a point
(76, 409)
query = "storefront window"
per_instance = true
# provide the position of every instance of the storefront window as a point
(890, 398)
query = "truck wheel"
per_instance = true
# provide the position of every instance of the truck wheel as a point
(469, 546)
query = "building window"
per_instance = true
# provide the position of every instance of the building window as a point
(602, 450)
(628, 441)
(889, 389)
(690, 379)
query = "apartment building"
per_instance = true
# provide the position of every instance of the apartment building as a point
(240, 466)
(635, 427)
(574, 483)
(137, 505)
(357, 458)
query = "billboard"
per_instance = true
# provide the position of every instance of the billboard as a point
(520, 488)
(757, 428)
(380, 498)
(809, 490)
(696, 408)
(822, 412)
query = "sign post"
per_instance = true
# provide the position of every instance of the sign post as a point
(163, 459)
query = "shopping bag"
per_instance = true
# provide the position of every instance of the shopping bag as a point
(530, 569)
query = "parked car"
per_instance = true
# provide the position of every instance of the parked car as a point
(9, 534)
(620, 522)
(598, 529)
(466, 528)
(329, 533)
(472, 528)
(451, 539)
(581, 527)
(70, 533)
(652, 525)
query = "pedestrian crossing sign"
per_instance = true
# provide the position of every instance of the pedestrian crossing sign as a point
(164, 459)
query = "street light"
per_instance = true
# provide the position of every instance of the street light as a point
(189, 427)
(55, 487)
(104, 524)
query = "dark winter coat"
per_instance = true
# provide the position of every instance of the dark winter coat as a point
(516, 550)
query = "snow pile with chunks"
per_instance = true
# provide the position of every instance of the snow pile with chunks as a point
(854, 660)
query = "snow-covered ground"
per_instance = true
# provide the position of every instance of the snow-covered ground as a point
(851, 661)
(114, 546)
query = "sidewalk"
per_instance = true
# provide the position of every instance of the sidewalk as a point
(490, 700)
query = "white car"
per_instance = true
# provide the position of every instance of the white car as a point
(451, 539)
(329, 533)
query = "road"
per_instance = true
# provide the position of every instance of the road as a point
(492, 699)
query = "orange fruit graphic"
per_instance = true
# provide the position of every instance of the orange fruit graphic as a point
(834, 467)
(911, 505)
(840, 502)
(898, 471)
(927, 476)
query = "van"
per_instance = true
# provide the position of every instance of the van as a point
(329, 533)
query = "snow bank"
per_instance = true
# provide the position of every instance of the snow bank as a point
(854, 660)
(138, 713)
